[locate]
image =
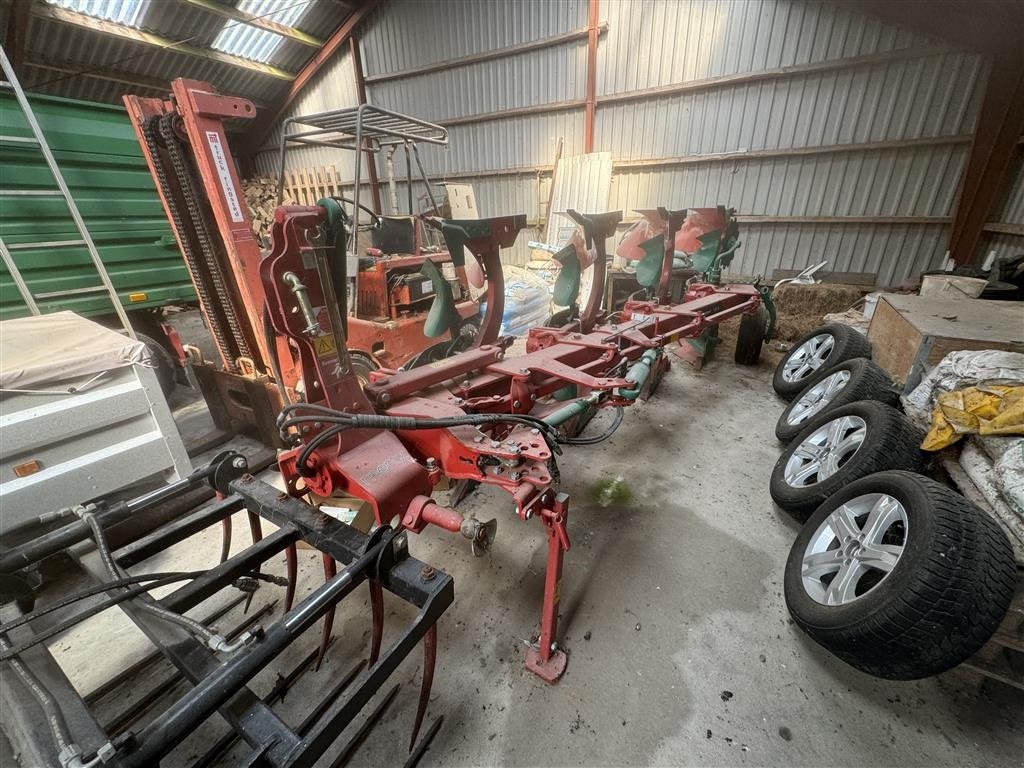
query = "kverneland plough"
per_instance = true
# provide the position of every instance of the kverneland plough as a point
(478, 416)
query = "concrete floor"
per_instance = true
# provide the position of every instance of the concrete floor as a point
(682, 652)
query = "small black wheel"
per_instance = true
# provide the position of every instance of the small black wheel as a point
(819, 350)
(560, 318)
(467, 333)
(899, 576)
(841, 446)
(750, 337)
(362, 366)
(166, 366)
(848, 382)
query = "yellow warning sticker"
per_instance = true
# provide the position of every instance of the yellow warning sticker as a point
(324, 345)
(558, 590)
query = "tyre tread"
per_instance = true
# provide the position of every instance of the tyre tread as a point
(895, 447)
(956, 599)
(849, 343)
(867, 382)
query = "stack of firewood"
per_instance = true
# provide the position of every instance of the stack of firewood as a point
(261, 197)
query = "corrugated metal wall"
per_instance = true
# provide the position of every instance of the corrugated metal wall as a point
(403, 35)
(1005, 232)
(836, 136)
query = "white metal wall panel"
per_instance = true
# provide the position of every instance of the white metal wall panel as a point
(905, 98)
(534, 77)
(920, 181)
(515, 142)
(334, 87)
(403, 34)
(659, 42)
(892, 251)
(934, 96)
(651, 43)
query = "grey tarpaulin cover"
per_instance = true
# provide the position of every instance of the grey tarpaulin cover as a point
(60, 346)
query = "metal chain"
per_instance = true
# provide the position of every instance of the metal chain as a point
(149, 130)
(183, 173)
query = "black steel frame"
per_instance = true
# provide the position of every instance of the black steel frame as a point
(222, 685)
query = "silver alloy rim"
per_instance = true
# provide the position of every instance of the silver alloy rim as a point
(817, 397)
(824, 451)
(854, 549)
(808, 357)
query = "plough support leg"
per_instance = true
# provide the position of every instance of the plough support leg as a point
(547, 661)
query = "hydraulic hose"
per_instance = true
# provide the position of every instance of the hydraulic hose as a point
(68, 752)
(211, 639)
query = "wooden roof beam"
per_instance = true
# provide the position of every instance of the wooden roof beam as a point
(268, 25)
(53, 13)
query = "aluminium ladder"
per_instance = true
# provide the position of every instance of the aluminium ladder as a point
(11, 83)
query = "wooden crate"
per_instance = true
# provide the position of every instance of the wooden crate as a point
(910, 334)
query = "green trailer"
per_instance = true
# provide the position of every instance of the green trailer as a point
(99, 156)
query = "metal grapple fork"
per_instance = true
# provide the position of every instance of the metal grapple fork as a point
(330, 566)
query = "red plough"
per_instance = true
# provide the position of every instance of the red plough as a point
(478, 416)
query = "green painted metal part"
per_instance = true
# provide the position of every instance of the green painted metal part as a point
(639, 372)
(648, 269)
(705, 343)
(443, 316)
(567, 412)
(457, 231)
(704, 257)
(567, 285)
(99, 155)
(769, 304)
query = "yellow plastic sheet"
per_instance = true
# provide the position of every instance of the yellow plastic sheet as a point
(984, 410)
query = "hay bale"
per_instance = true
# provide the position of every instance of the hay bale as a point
(802, 308)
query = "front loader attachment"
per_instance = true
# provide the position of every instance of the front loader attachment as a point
(219, 667)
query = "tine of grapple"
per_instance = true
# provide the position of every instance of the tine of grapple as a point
(330, 571)
(225, 538)
(255, 527)
(256, 530)
(377, 608)
(424, 744)
(291, 556)
(429, 658)
(360, 736)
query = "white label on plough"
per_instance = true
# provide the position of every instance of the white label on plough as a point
(220, 161)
